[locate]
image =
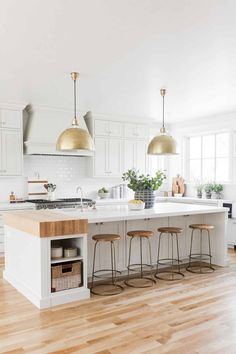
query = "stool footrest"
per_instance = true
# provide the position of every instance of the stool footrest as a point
(104, 271)
(138, 267)
(117, 289)
(150, 283)
(172, 275)
(198, 269)
(168, 261)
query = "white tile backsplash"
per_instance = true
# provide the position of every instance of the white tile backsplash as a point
(66, 172)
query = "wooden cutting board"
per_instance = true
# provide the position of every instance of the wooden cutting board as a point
(178, 186)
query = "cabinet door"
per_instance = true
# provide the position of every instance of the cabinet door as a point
(129, 154)
(10, 119)
(156, 163)
(108, 128)
(114, 157)
(100, 161)
(12, 153)
(142, 131)
(141, 156)
(231, 232)
(101, 127)
(115, 129)
(130, 130)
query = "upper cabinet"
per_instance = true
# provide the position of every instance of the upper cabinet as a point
(10, 119)
(108, 128)
(138, 131)
(108, 157)
(11, 142)
(119, 146)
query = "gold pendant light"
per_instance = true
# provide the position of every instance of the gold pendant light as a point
(75, 138)
(162, 144)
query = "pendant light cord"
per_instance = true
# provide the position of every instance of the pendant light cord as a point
(75, 99)
(163, 111)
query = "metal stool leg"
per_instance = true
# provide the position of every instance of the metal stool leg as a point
(191, 246)
(94, 258)
(177, 249)
(141, 256)
(173, 273)
(158, 252)
(150, 256)
(115, 289)
(112, 264)
(200, 251)
(142, 276)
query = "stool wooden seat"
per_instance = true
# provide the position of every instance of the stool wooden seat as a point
(106, 237)
(196, 260)
(140, 233)
(175, 272)
(111, 287)
(141, 280)
(170, 230)
(201, 226)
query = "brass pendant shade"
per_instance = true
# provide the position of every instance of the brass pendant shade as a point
(162, 144)
(75, 138)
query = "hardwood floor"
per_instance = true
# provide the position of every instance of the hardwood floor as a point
(194, 315)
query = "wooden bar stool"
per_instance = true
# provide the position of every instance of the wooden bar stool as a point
(141, 281)
(200, 257)
(108, 288)
(175, 272)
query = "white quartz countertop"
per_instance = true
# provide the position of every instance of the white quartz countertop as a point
(121, 212)
(16, 206)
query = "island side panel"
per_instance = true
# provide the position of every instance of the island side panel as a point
(23, 263)
(218, 237)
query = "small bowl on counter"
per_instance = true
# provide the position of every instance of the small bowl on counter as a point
(136, 204)
(56, 252)
(70, 252)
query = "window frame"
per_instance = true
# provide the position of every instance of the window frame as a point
(231, 156)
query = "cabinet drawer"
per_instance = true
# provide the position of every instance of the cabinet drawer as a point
(138, 131)
(10, 119)
(231, 231)
(108, 128)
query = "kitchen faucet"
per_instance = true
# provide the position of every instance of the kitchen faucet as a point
(81, 196)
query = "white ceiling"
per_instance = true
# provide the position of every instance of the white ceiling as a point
(125, 50)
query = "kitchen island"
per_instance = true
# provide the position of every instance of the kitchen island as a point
(30, 236)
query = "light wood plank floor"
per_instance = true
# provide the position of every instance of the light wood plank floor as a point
(194, 315)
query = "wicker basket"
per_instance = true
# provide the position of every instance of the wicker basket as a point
(66, 276)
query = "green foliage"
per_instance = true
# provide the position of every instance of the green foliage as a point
(208, 188)
(218, 188)
(103, 190)
(138, 182)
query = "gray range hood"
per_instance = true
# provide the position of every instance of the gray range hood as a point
(43, 125)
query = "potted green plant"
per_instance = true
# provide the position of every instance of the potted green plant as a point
(103, 193)
(199, 188)
(218, 189)
(144, 186)
(208, 188)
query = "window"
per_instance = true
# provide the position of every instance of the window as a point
(208, 157)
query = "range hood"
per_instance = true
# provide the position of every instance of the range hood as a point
(43, 125)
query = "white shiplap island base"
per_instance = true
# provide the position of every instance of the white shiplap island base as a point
(28, 262)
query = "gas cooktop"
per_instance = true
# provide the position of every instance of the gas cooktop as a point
(59, 203)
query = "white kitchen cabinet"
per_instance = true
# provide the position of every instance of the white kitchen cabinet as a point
(108, 157)
(135, 155)
(11, 153)
(10, 119)
(138, 131)
(11, 142)
(231, 232)
(108, 128)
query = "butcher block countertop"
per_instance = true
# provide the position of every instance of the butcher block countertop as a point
(45, 223)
